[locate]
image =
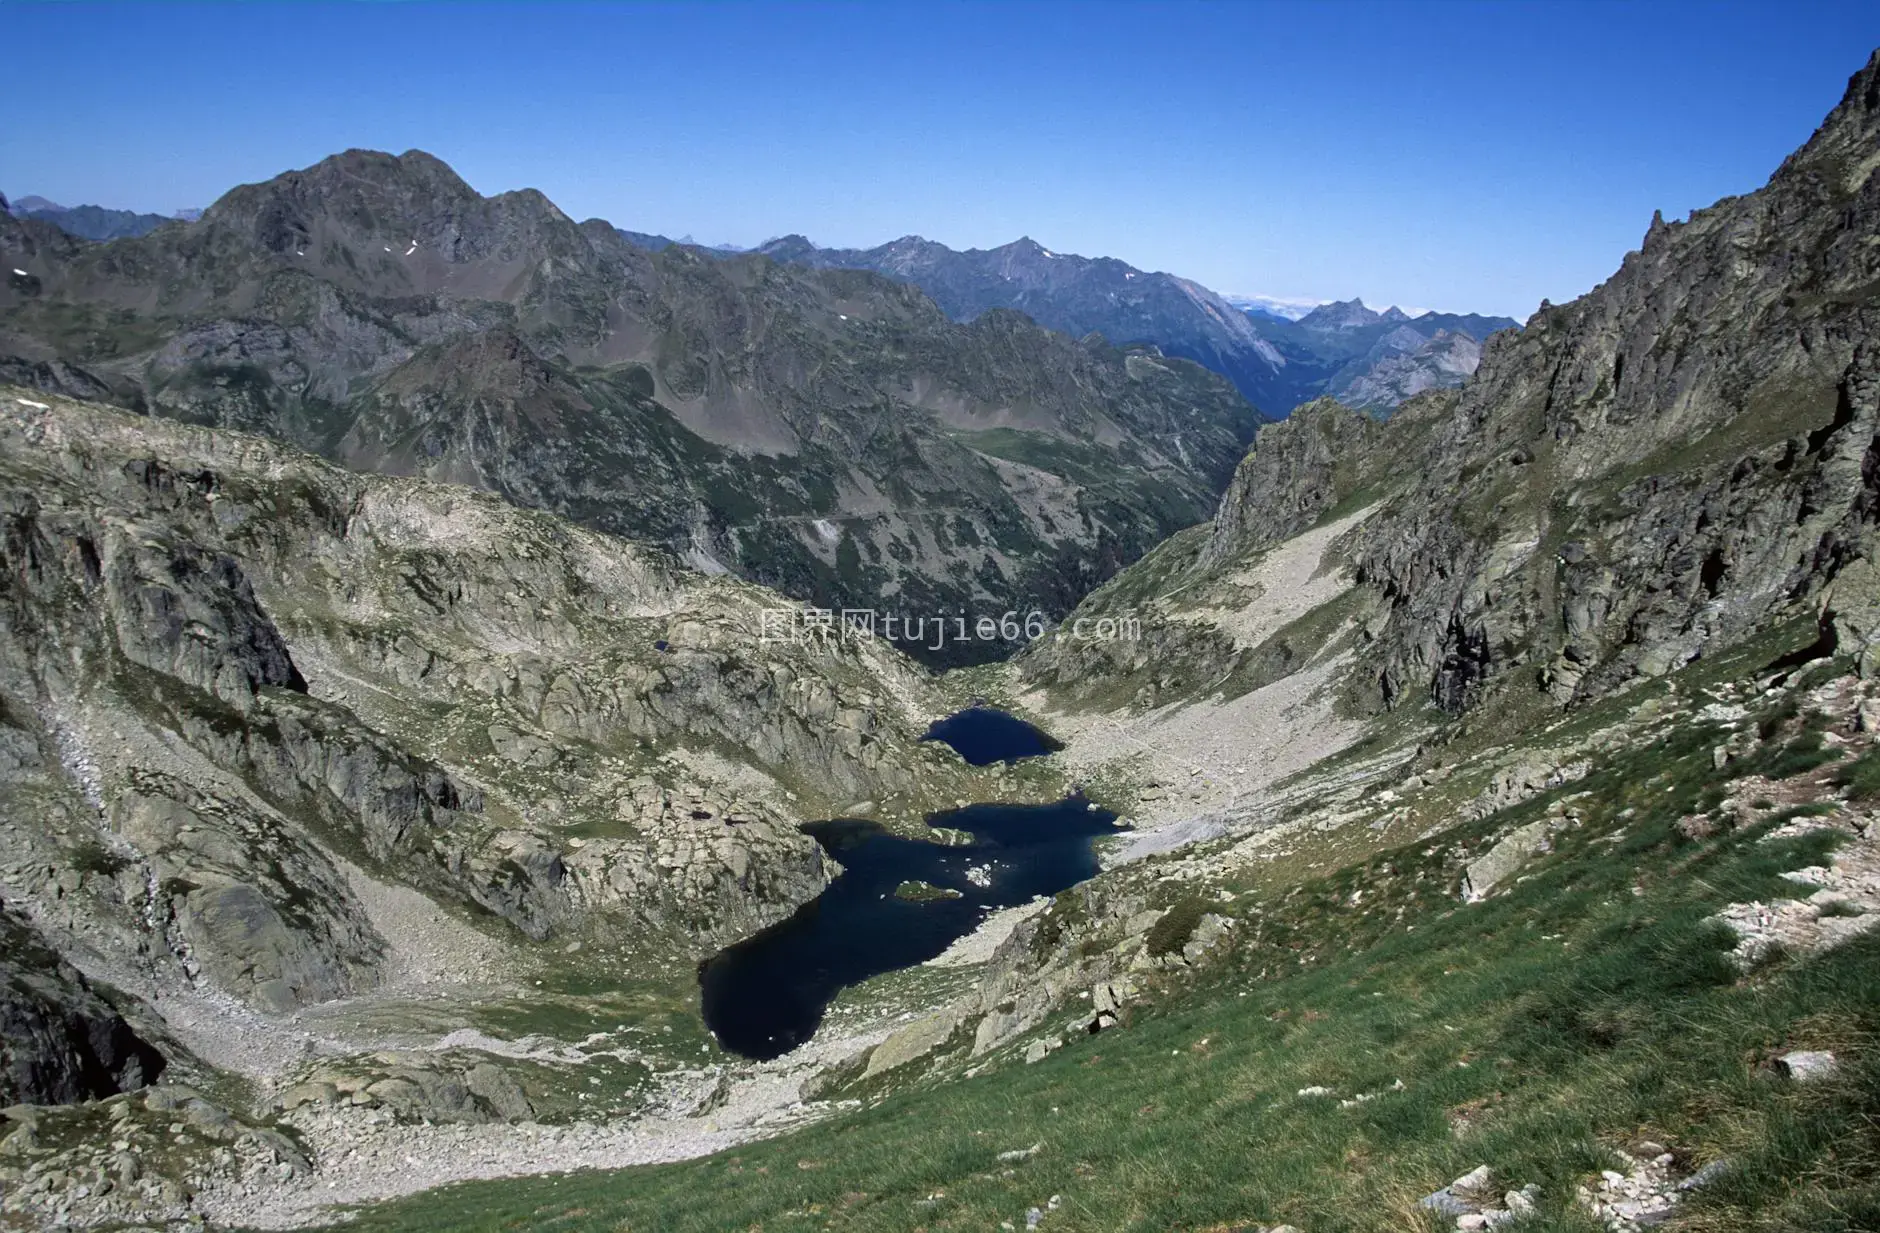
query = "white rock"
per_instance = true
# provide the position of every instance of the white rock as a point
(1808, 1065)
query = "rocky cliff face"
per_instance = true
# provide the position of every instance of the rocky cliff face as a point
(1405, 363)
(1661, 464)
(235, 679)
(1639, 477)
(60, 1041)
(826, 431)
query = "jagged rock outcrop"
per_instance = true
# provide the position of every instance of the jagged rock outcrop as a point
(59, 1041)
(1405, 363)
(1296, 472)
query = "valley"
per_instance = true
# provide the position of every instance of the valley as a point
(1449, 805)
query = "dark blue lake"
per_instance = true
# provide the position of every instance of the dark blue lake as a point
(766, 995)
(983, 735)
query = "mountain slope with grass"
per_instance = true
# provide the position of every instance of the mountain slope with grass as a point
(1317, 1029)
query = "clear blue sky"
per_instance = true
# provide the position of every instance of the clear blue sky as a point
(1459, 156)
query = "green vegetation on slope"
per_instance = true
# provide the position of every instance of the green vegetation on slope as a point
(1591, 1006)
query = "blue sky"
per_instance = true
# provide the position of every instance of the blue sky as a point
(1464, 156)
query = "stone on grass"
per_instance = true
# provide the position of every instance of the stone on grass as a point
(1807, 1065)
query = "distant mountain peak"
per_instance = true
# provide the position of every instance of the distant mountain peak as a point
(792, 247)
(1341, 315)
(1026, 246)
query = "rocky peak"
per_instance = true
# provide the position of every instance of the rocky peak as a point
(1849, 132)
(1681, 456)
(911, 252)
(369, 186)
(1726, 362)
(792, 247)
(1403, 338)
(1024, 260)
(1340, 315)
(392, 223)
(1290, 478)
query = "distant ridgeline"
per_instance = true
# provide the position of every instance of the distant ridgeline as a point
(90, 222)
(830, 432)
(1366, 359)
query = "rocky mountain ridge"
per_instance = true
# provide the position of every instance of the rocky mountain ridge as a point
(90, 222)
(237, 680)
(1674, 459)
(1274, 362)
(828, 432)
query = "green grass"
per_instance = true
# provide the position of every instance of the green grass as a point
(1794, 757)
(1861, 777)
(1591, 1004)
(1169, 934)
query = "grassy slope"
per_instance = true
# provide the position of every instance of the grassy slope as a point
(1591, 1004)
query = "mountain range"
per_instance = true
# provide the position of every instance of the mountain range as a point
(1499, 779)
(90, 222)
(1250, 340)
(827, 431)
(1276, 363)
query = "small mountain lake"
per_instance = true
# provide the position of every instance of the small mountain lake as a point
(766, 995)
(983, 735)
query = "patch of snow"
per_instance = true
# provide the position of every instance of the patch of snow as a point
(827, 530)
(20, 272)
(37, 406)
